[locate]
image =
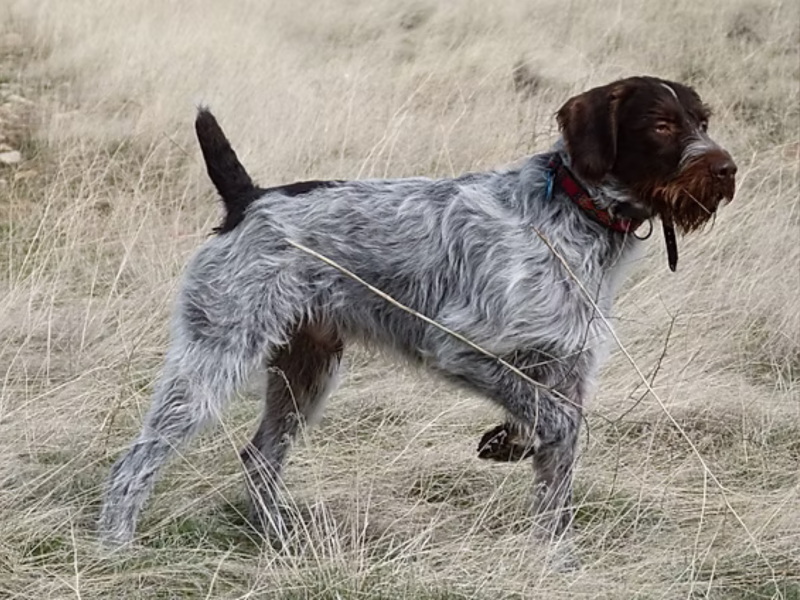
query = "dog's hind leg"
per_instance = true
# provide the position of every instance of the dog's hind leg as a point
(214, 346)
(300, 376)
(194, 385)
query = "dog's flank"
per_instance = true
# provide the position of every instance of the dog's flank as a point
(503, 258)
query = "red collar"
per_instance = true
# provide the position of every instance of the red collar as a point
(559, 174)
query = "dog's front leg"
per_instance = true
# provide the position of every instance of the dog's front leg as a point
(544, 425)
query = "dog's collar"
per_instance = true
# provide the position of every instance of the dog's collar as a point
(559, 174)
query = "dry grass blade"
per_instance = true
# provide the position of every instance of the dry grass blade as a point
(108, 198)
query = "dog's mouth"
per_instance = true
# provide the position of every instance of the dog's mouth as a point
(726, 195)
(726, 190)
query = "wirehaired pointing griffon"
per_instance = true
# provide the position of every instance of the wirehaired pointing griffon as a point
(517, 262)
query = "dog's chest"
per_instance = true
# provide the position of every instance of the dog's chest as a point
(560, 300)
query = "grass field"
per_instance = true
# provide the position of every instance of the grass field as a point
(690, 492)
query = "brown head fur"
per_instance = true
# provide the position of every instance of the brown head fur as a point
(650, 137)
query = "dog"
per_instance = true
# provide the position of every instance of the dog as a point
(492, 280)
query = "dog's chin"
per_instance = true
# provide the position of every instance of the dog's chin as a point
(692, 214)
(693, 221)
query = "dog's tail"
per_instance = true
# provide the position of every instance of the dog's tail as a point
(226, 172)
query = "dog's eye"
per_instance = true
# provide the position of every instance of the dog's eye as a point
(664, 127)
(704, 125)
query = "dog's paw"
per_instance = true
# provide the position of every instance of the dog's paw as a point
(503, 444)
(563, 557)
(493, 443)
(272, 524)
(114, 531)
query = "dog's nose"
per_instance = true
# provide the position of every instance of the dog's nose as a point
(724, 167)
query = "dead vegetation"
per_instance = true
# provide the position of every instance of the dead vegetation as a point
(108, 198)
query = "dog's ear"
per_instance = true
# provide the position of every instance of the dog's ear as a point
(588, 124)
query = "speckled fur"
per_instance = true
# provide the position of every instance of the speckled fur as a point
(467, 252)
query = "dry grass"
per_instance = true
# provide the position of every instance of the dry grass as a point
(97, 221)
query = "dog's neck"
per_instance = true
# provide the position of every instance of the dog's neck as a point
(559, 175)
(608, 203)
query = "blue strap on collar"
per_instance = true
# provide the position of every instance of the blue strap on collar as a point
(551, 175)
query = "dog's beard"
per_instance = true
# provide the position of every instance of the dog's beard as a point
(691, 199)
(686, 202)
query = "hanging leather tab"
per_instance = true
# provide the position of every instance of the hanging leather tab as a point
(672, 244)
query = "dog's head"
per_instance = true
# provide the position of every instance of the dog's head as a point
(650, 137)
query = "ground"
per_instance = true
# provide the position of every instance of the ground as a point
(690, 491)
